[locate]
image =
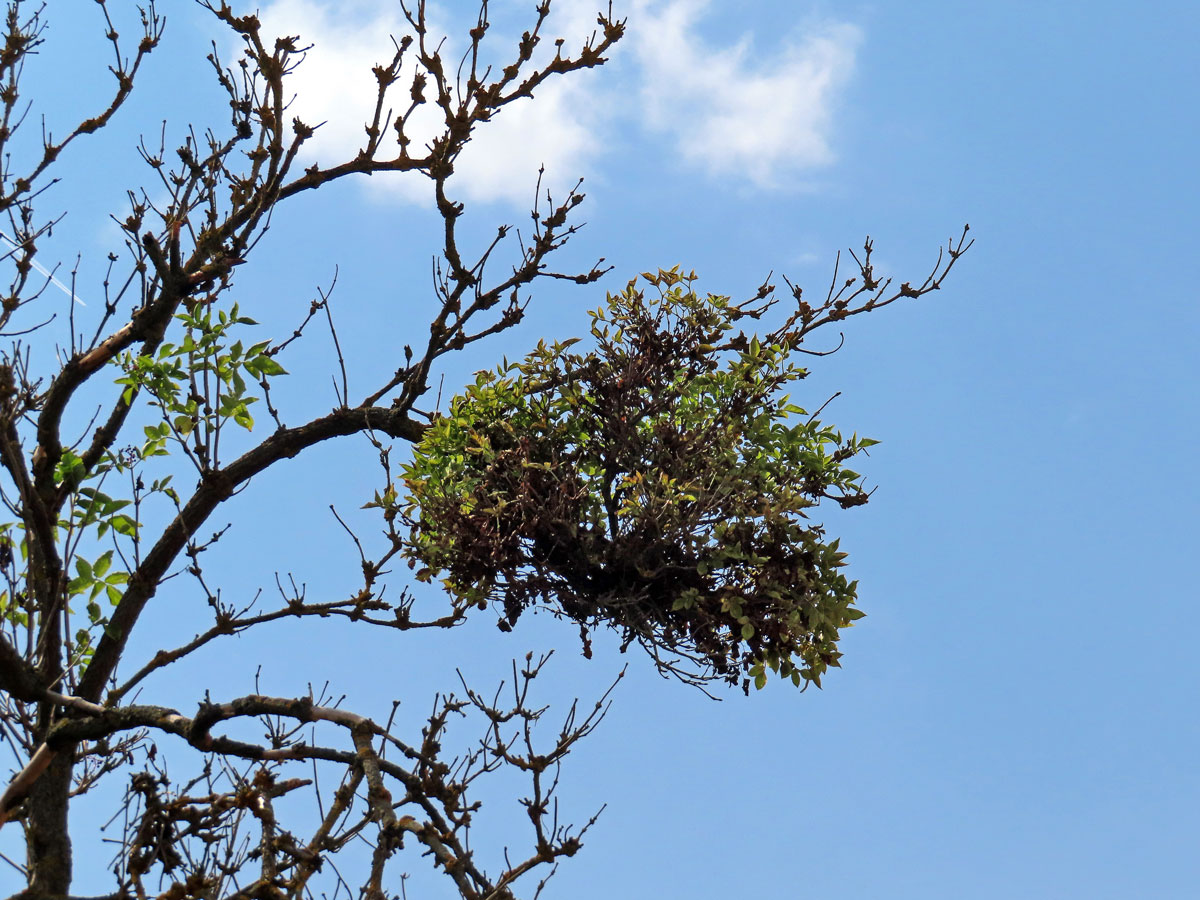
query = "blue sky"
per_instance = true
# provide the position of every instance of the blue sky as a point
(1016, 715)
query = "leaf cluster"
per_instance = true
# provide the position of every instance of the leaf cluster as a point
(662, 484)
(201, 382)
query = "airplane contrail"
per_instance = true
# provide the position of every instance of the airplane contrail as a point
(43, 270)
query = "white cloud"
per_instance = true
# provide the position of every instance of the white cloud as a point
(737, 111)
(730, 111)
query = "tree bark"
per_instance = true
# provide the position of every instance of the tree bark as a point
(47, 838)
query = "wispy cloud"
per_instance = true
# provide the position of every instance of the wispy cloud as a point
(761, 115)
(731, 111)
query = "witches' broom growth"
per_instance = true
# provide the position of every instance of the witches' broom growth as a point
(662, 483)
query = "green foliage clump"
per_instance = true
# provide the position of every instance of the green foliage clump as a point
(661, 484)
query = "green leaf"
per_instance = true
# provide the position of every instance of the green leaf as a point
(267, 366)
(69, 468)
(122, 524)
